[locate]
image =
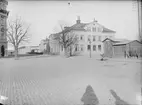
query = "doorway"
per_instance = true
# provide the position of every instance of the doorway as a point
(2, 51)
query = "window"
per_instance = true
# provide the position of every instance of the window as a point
(89, 38)
(94, 38)
(2, 35)
(94, 29)
(82, 47)
(99, 29)
(89, 47)
(77, 37)
(94, 47)
(76, 47)
(99, 47)
(62, 48)
(81, 37)
(99, 38)
(2, 29)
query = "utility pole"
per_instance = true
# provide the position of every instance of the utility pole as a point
(139, 5)
(90, 46)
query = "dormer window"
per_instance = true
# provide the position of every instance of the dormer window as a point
(88, 29)
(99, 29)
(94, 29)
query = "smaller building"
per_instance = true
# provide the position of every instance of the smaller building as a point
(44, 46)
(55, 47)
(28, 49)
(10, 52)
(118, 48)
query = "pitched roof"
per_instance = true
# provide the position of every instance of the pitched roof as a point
(121, 43)
(22, 47)
(80, 26)
(115, 40)
(105, 30)
(126, 42)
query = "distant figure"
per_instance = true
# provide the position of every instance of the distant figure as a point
(136, 54)
(127, 54)
(124, 54)
(89, 97)
(118, 100)
(130, 54)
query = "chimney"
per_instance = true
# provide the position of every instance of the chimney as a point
(95, 20)
(78, 20)
(66, 27)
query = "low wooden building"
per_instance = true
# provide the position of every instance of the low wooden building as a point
(118, 48)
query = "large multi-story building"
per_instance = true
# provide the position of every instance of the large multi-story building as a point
(90, 37)
(3, 27)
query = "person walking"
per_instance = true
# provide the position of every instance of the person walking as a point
(124, 54)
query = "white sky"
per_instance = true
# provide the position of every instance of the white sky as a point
(45, 16)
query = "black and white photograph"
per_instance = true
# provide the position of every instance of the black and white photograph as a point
(70, 52)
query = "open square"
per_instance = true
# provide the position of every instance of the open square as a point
(62, 81)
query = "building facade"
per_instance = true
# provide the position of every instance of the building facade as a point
(118, 48)
(55, 47)
(44, 46)
(89, 35)
(28, 49)
(3, 27)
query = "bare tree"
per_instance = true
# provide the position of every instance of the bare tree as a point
(17, 34)
(67, 40)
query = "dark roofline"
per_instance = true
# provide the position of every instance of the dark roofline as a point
(110, 40)
(22, 47)
(106, 30)
(109, 30)
(119, 44)
(106, 39)
(73, 27)
(134, 40)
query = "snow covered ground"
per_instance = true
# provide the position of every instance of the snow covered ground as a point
(62, 81)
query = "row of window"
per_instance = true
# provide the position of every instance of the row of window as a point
(94, 29)
(94, 47)
(100, 38)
